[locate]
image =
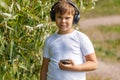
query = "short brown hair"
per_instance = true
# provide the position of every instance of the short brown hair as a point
(63, 7)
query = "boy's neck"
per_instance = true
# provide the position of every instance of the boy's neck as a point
(66, 32)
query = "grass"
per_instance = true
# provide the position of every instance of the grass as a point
(115, 28)
(109, 48)
(104, 8)
(107, 45)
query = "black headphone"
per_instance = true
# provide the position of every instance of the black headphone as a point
(76, 16)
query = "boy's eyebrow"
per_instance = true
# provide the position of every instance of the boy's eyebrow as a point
(65, 17)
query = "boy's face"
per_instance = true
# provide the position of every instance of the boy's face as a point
(64, 22)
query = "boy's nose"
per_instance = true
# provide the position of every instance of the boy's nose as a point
(63, 20)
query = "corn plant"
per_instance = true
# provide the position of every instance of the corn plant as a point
(24, 25)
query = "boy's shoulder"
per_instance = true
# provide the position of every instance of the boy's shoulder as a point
(51, 37)
(79, 33)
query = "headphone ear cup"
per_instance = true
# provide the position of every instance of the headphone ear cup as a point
(52, 15)
(76, 18)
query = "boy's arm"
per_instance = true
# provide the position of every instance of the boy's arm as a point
(44, 69)
(89, 65)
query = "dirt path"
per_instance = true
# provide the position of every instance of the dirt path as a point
(106, 71)
(107, 20)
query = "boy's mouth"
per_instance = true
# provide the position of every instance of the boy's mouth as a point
(63, 25)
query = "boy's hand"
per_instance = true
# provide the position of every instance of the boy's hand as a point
(66, 64)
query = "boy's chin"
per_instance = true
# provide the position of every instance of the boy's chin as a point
(64, 31)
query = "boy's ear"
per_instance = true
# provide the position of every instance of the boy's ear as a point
(52, 15)
(76, 18)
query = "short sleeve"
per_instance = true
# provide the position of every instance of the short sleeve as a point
(86, 45)
(46, 49)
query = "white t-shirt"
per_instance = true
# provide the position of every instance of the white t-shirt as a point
(73, 46)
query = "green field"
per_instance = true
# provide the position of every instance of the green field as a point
(106, 40)
(104, 8)
(109, 46)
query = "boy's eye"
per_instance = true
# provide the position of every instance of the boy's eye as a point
(67, 18)
(64, 18)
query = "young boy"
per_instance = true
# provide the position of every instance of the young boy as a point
(68, 53)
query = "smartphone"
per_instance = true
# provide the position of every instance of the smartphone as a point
(65, 61)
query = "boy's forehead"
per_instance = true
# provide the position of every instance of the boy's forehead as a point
(65, 13)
